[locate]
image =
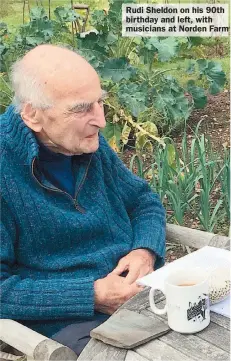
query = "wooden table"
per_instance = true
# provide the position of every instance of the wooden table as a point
(213, 343)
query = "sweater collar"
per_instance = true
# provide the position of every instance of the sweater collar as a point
(20, 137)
(47, 155)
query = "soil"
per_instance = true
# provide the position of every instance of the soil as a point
(215, 122)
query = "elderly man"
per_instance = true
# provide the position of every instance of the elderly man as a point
(78, 228)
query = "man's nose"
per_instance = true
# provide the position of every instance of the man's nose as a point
(98, 114)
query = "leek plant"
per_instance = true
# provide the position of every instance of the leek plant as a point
(193, 181)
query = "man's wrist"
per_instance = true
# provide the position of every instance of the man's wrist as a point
(148, 250)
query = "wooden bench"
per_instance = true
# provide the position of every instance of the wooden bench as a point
(38, 347)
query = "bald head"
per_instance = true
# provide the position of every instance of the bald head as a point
(47, 73)
(42, 55)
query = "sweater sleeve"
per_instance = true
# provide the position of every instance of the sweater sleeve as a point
(30, 299)
(146, 213)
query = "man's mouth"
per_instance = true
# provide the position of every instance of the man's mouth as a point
(91, 136)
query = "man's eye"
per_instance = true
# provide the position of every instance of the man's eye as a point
(88, 109)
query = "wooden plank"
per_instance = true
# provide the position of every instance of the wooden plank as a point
(156, 350)
(148, 312)
(216, 335)
(133, 356)
(6, 356)
(195, 238)
(140, 301)
(194, 347)
(80, 6)
(215, 317)
(220, 242)
(128, 329)
(99, 351)
(205, 347)
(220, 320)
(96, 348)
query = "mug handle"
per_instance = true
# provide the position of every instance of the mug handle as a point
(158, 311)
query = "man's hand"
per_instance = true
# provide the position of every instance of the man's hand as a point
(112, 291)
(138, 263)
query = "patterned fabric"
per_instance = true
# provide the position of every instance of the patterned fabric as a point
(53, 247)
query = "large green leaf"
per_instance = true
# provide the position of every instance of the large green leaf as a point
(115, 14)
(150, 127)
(171, 101)
(99, 21)
(3, 29)
(116, 69)
(38, 13)
(3, 49)
(34, 40)
(36, 32)
(171, 154)
(143, 141)
(195, 40)
(202, 65)
(146, 55)
(167, 48)
(112, 132)
(198, 94)
(66, 14)
(214, 73)
(92, 49)
(111, 38)
(191, 67)
(133, 97)
(125, 133)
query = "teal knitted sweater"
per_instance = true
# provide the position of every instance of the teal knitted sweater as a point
(53, 246)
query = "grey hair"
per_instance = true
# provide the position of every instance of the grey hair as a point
(27, 88)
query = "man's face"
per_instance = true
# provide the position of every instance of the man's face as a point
(72, 125)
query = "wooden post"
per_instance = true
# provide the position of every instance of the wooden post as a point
(195, 238)
(33, 344)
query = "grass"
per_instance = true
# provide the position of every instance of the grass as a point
(15, 12)
(154, 2)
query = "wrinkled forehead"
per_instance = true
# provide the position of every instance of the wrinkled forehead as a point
(73, 86)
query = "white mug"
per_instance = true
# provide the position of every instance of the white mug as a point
(187, 300)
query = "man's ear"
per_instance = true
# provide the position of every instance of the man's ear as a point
(31, 118)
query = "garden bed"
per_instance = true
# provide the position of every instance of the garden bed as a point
(216, 124)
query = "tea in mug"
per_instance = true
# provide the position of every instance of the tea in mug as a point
(186, 284)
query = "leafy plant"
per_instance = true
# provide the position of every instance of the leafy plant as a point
(138, 92)
(127, 65)
(162, 49)
(39, 30)
(224, 179)
(187, 181)
(66, 14)
(206, 181)
(5, 93)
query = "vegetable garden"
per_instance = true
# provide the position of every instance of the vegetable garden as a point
(155, 87)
